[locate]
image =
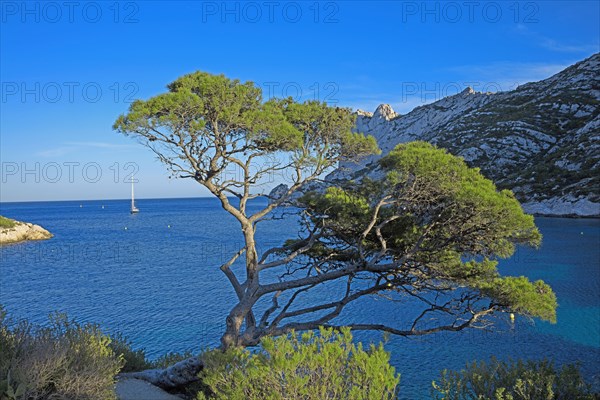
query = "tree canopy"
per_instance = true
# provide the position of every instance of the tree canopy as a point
(426, 225)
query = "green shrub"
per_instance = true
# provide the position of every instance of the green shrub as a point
(6, 222)
(512, 380)
(134, 360)
(65, 360)
(310, 366)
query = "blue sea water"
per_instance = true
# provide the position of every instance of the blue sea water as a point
(154, 277)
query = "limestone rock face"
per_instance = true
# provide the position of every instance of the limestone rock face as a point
(278, 191)
(23, 231)
(384, 111)
(541, 140)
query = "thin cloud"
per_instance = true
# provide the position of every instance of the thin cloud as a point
(554, 45)
(508, 75)
(56, 152)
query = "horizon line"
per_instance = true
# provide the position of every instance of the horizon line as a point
(124, 199)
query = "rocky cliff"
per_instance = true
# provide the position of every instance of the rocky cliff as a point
(542, 140)
(22, 231)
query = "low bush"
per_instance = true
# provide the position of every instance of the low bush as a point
(65, 360)
(310, 366)
(133, 360)
(512, 380)
(136, 360)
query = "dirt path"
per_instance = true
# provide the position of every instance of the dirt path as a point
(135, 389)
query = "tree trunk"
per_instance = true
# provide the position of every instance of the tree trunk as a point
(176, 376)
(233, 335)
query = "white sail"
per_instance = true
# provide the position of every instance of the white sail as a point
(133, 207)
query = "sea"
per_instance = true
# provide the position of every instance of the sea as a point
(155, 278)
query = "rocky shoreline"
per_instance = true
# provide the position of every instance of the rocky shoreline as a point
(566, 207)
(23, 231)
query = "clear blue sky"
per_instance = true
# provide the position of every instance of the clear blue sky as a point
(69, 69)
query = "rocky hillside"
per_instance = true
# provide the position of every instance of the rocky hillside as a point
(12, 231)
(542, 140)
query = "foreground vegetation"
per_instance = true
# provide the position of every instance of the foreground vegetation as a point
(64, 360)
(307, 366)
(513, 380)
(69, 360)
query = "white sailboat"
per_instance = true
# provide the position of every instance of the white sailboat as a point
(134, 209)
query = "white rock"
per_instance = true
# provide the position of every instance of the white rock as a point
(23, 231)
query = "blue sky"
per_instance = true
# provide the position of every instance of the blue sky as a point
(69, 69)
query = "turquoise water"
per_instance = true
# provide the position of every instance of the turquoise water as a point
(154, 276)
